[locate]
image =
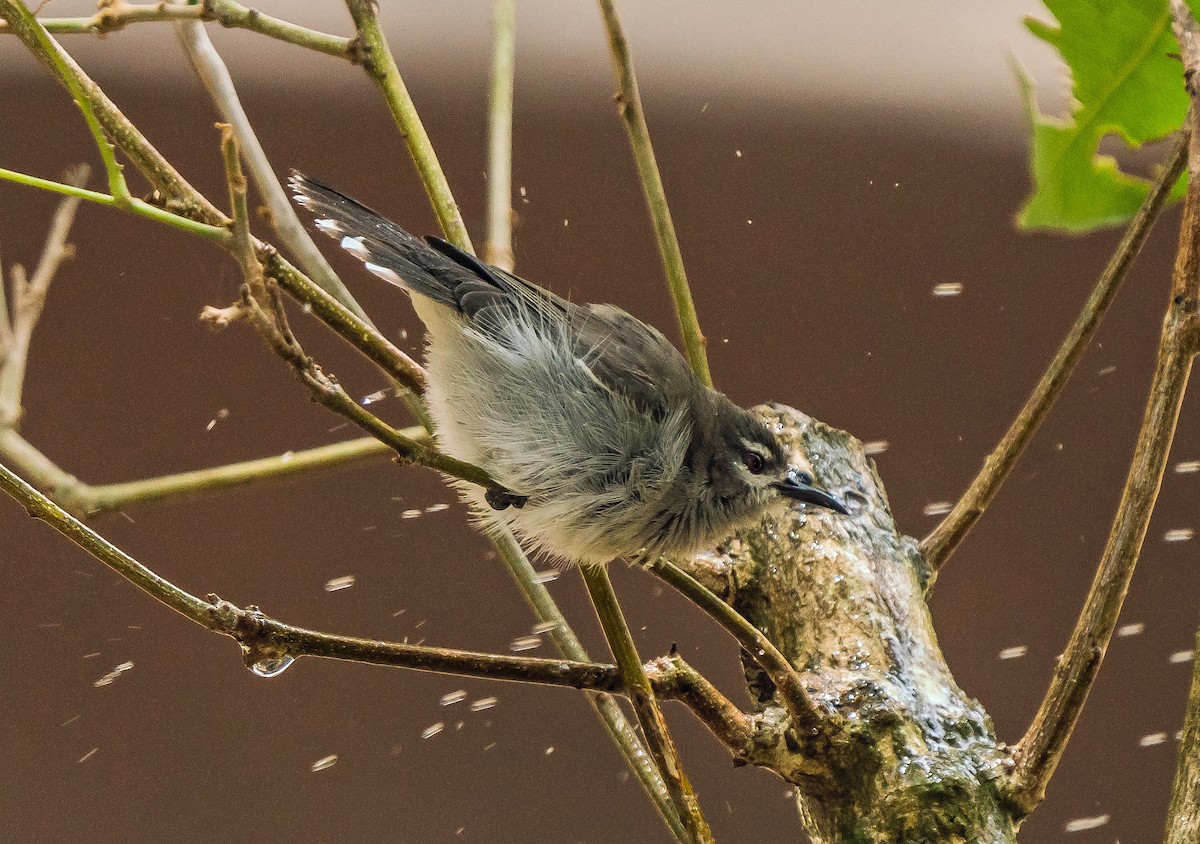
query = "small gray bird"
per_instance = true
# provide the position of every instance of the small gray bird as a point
(609, 443)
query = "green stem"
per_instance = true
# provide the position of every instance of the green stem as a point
(645, 705)
(380, 65)
(106, 497)
(760, 649)
(629, 106)
(216, 234)
(607, 709)
(941, 542)
(19, 17)
(225, 12)
(498, 250)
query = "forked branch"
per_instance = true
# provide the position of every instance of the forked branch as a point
(945, 538)
(1040, 749)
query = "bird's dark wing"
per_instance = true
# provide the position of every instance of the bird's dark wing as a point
(631, 358)
(624, 355)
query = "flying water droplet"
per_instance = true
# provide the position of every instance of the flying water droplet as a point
(325, 762)
(937, 508)
(1083, 824)
(432, 730)
(525, 643)
(453, 697)
(337, 583)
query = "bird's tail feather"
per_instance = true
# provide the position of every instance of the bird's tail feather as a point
(385, 249)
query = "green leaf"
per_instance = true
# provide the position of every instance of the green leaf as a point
(1128, 81)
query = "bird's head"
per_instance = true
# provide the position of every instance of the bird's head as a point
(749, 470)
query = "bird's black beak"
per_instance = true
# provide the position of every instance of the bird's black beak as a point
(798, 486)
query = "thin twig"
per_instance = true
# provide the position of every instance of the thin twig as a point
(214, 75)
(376, 59)
(29, 297)
(183, 200)
(645, 706)
(133, 205)
(267, 315)
(610, 713)
(941, 542)
(674, 679)
(1040, 749)
(231, 15)
(263, 638)
(498, 250)
(760, 649)
(1183, 817)
(102, 498)
(19, 17)
(629, 106)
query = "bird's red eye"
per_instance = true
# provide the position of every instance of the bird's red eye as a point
(753, 461)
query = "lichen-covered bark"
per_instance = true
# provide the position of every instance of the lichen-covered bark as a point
(901, 754)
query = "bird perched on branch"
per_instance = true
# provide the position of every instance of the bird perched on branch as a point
(610, 445)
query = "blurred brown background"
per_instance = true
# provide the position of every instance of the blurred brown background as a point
(879, 158)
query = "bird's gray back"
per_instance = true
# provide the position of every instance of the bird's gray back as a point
(551, 417)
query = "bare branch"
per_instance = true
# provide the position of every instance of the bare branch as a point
(645, 706)
(266, 641)
(214, 75)
(1040, 749)
(941, 542)
(673, 678)
(181, 198)
(629, 107)
(1183, 818)
(118, 15)
(28, 299)
(376, 58)
(498, 251)
(759, 648)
